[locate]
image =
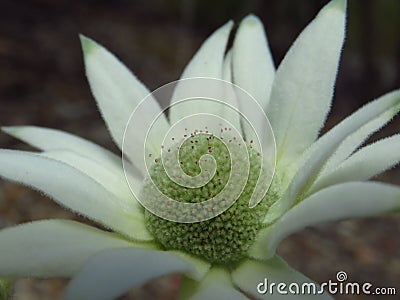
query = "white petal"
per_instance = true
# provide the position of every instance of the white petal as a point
(207, 62)
(200, 266)
(52, 248)
(347, 200)
(353, 141)
(227, 67)
(113, 272)
(303, 86)
(116, 90)
(252, 274)
(253, 67)
(215, 285)
(48, 139)
(71, 149)
(74, 190)
(112, 179)
(364, 164)
(229, 95)
(326, 146)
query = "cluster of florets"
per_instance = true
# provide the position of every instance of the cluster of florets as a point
(225, 238)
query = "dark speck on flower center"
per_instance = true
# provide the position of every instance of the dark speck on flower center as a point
(223, 239)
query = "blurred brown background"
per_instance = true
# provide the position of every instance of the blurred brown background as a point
(42, 83)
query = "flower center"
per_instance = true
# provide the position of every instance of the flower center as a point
(225, 238)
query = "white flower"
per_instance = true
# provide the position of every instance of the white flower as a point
(316, 179)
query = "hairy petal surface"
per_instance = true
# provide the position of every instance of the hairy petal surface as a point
(353, 141)
(117, 92)
(74, 190)
(325, 147)
(207, 62)
(48, 139)
(363, 165)
(346, 200)
(53, 248)
(229, 95)
(253, 67)
(303, 86)
(112, 180)
(250, 274)
(200, 266)
(216, 284)
(113, 272)
(227, 67)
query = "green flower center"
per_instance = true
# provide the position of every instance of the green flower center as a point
(225, 238)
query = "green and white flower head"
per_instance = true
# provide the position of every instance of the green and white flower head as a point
(161, 205)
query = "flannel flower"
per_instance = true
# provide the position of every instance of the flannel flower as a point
(225, 257)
